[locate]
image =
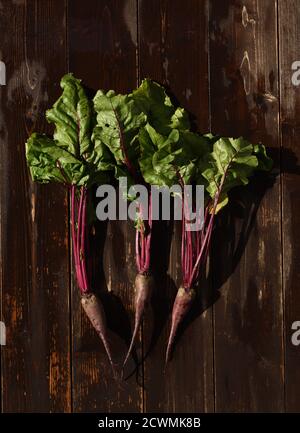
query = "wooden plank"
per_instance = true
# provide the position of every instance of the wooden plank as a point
(249, 358)
(173, 49)
(34, 250)
(289, 52)
(102, 51)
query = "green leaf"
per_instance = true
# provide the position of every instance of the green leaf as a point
(168, 160)
(157, 160)
(161, 113)
(72, 156)
(118, 122)
(73, 117)
(145, 162)
(141, 133)
(230, 164)
(100, 157)
(48, 162)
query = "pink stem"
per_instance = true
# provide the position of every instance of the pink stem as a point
(199, 239)
(148, 239)
(143, 242)
(187, 246)
(142, 238)
(185, 252)
(148, 252)
(79, 221)
(74, 241)
(192, 277)
(206, 240)
(204, 225)
(190, 251)
(207, 248)
(182, 241)
(137, 250)
(82, 246)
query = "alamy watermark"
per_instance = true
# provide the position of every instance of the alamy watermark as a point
(296, 74)
(153, 203)
(295, 339)
(2, 74)
(2, 334)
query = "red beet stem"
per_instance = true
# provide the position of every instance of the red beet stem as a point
(182, 304)
(95, 312)
(75, 241)
(78, 232)
(82, 239)
(144, 284)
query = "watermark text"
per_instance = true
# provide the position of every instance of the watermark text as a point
(2, 334)
(153, 203)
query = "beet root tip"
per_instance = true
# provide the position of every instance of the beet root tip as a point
(182, 304)
(95, 312)
(144, 285)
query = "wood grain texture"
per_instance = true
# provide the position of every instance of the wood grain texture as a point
(34, 248)
(218, 59)
(102, 51)
(173, 49)
(249, 358)
(289, 52)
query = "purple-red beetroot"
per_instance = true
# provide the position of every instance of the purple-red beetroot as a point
(144, 281)
(90, 303)
(182, 304)
(194, 251)
(94, 310)
(144, 285)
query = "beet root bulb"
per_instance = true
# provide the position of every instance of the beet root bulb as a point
(95, 312)
(144, 285)
(182, 304)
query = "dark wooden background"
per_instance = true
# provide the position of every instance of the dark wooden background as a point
(229, 63)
